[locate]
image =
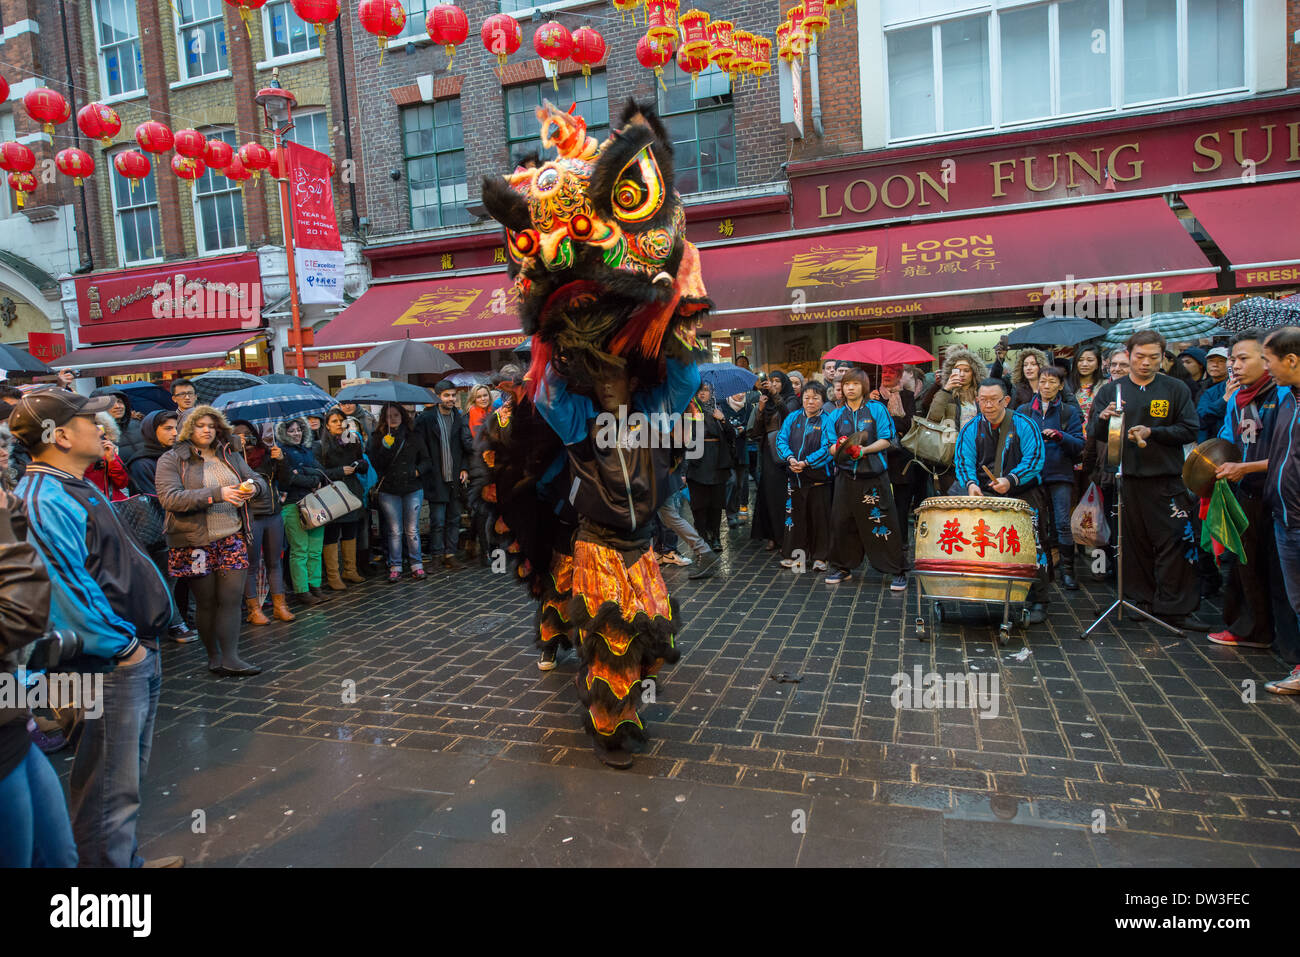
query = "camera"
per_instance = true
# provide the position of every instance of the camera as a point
(52, 649)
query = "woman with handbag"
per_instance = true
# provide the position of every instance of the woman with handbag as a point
(769, 413)
(305, 544)
(341, 456)
(400, 460)
(205, 486)
(266, 536)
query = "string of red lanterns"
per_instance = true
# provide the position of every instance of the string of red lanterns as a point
(99, 122)
(449, 27)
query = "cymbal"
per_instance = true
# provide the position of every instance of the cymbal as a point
(841, 451)
(1203, 461)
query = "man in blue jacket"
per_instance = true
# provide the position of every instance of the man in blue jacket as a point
(106, 590)
(1062, 431)
(1010, 446)
(863, 515)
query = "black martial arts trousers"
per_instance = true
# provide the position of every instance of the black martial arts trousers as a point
(810, 510)
(864, 519)
(1160, 548)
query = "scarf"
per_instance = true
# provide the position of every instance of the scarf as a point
(735, 406)
(1245, 396)
(893, 400)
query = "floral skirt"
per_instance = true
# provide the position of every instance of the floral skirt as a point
(224, 555)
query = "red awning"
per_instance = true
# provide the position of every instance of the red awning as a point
(1258, 228)
(457, 314)
(164, 356)
(1007, 260)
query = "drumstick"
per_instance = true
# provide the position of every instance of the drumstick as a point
(989, 473)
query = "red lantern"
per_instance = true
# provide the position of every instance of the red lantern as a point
(841, 6)
(501, 35)
(553, 43)
(75, 163)
(694, 28)
(16, 158)
(693, 62)
(134, 166)
(742, 43)
(245, 7)
(762, 64)
(218, 154)
(784, 44)
(47, 107)
(661, 20)
(4, 89)
(319, 13)
(814, 19)
(653, 57)
(383, 19)
(447, 25)
(99, 122)
(190, 143)
(154, 137)
(236, 170)
(22, 184)
(255, 158)
(720, 50)
(278, 168)
(623, 6)
(798, 36)
(187, 167)
(588, 49)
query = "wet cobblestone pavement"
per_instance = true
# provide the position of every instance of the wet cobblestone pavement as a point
(456, 750)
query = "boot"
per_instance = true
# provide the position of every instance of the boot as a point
(307, 597)
(348, 549)
(280, 608)
(231, 665)
(329, 557)
(1068, 581)
(255, 616)
(214, 653)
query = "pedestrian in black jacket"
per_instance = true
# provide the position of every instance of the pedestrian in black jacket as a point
(401, 461)
(445, 431)
(738, 409)
(706, 476)
(341, 455)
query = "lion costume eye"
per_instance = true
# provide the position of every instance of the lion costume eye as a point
(638, 192)
(523, 244)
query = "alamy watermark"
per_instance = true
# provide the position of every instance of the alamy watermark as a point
(655, 430)
(1101, 300)
(929, 690)
(61, 689)
(180, 297)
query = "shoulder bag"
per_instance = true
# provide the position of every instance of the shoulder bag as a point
(327, 504)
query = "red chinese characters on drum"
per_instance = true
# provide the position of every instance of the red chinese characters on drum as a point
(1005, 539)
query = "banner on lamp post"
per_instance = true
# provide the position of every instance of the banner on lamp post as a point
(318, 249)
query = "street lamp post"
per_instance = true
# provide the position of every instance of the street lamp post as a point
(277, 108)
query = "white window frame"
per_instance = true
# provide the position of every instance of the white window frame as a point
(271, 58)
(182, 47)
(99, 58)
(305, 114)
(1115, 39)
(119, 236)
(414, 30)
(197, 200)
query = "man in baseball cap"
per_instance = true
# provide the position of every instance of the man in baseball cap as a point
(41, 411)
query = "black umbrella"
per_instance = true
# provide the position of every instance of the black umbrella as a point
(406, 357)
(280, 378)
(14, 359)
(220, 381)
(1258, 312)
(1054, 331)
(385, 390)
(145, 397)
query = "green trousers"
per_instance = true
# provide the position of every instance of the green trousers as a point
(304, 550)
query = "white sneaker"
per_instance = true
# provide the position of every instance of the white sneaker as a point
(819, 566)
(787, 563)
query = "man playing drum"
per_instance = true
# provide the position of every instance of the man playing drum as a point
(1001, 453)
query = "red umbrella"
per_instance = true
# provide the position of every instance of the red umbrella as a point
(879, 352)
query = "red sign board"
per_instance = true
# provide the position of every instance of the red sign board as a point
(314, 223)
(1095, 159)
(46, 346)
(222, 294)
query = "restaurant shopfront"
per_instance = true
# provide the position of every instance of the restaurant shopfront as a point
(965, 240)
(168, 321)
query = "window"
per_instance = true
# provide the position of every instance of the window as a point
(310, 130)
(121, 67)
(417, 12)
(218, 206)
(522, 101)
(6, 194)
(286, 32)
(1019, 62)
(700, 122)
(201, 34)
(135, 208)
(434, 144)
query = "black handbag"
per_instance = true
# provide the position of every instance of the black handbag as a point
(143, 516)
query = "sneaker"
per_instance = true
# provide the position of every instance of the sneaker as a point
(820, 566)
(744, 510)
(787, 563)
(394, 575)
(899, 583)
(1037, 613)
(706, 567)
(182, 634)
(547, 661)
(674, 558)
(1228, 638)
(837, 576)
(418, 574)
(1288, 685)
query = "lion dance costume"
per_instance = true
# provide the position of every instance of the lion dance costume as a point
(575, 465)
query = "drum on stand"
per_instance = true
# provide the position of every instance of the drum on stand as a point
(976, 548)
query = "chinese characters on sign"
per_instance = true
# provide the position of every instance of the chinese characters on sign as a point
(1006, 539)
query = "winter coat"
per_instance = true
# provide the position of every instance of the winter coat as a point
(142, 465)
(402, 466)
(333, 455)
(110, 477)
(945, 405)
(428, 425)
(186, 499)
(1060, 454)
(278, 474)
(717, 457)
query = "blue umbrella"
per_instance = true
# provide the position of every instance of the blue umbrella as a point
(281, 378)
(467, 380)
(145, 397)
(727, 378)
(385, 390)
(272, 403)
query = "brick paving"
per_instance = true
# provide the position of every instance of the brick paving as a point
(452, 727)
